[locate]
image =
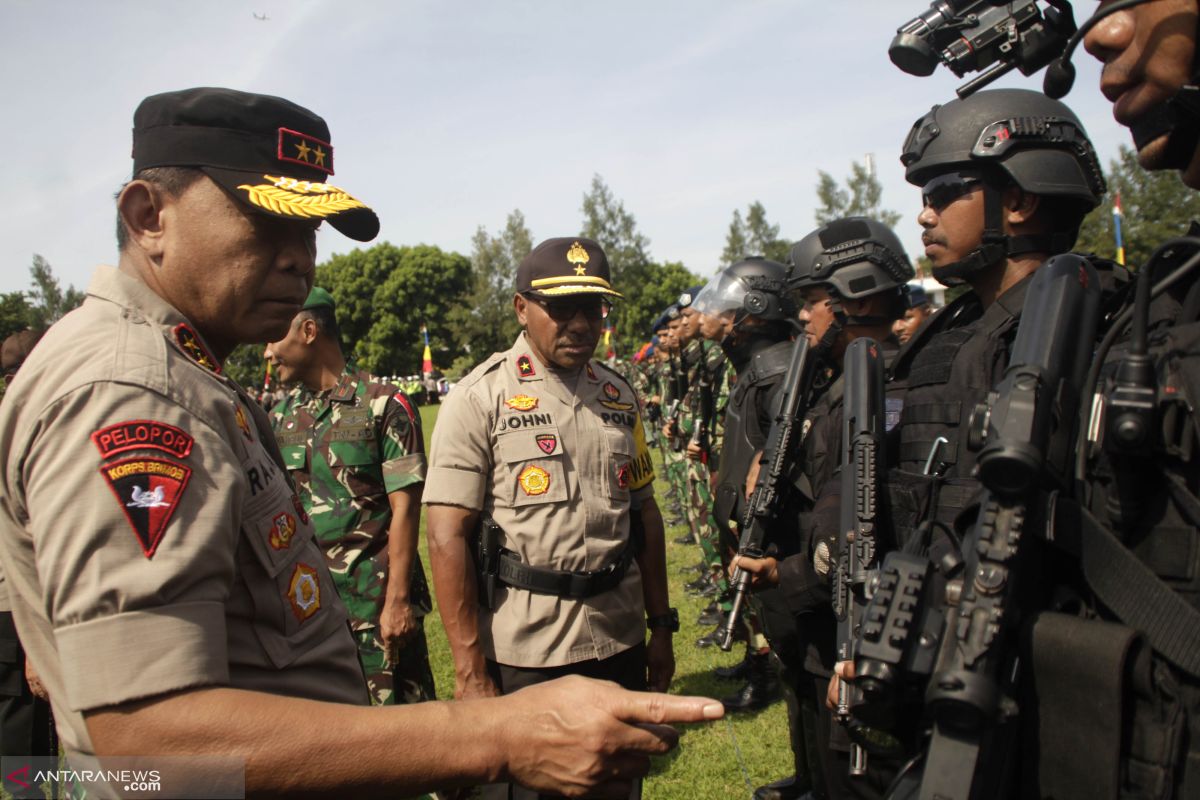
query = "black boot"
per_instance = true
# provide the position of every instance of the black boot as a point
(711, 615)
(738, 672)
(697, 586)
(759, 690)
(783, 789)
(687, 538)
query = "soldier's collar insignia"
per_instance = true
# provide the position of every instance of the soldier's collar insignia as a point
(190, 344)
(283, 528)
(591, 373)
(534, 480)
(242, 422)
(548, 443)
(345, 390)
(148, 490)
(522, 402)
(525, 366)
(304, 591)
(300, 148)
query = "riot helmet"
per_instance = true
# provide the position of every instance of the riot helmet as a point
(1009, 137)
(753, 287)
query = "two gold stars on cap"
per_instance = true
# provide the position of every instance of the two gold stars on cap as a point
(302, 151)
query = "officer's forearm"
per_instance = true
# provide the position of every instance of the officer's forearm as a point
(403, 532)
(536, 736)
(652, 561)
(352, 751)
(449, 529)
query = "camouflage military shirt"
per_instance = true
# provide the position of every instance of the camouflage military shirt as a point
(346, 449)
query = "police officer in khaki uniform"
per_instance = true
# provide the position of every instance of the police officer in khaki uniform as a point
(547, 445)
(162, 572)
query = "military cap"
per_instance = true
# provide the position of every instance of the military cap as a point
(318, 297)
(268, 153)
(16, 349)
(565, 266)
(917, 295)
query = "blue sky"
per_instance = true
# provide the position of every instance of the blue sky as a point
(448, 115)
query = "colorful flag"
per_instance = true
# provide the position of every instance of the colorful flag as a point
(267, 379)
(1117, 216)
(427, 358)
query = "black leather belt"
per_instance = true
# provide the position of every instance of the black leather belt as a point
(563, 583)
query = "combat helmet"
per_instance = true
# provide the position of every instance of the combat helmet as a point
(1008, 136)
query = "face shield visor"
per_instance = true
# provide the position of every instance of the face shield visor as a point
(723, 293)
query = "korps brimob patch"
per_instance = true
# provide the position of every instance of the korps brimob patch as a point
(149, 490)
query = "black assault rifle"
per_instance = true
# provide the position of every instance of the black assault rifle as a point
(764, 505)
(1024, 434)
(863, 432)
(704, 412)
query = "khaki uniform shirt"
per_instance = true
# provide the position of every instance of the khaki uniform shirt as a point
(151, 538)
(558, 468)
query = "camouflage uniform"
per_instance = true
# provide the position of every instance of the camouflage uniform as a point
(674, 461)
(710, 369)
(346, 449)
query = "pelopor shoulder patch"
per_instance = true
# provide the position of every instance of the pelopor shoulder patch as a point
(142, 434)
(534, 480)
(522, 402)
(149, 490)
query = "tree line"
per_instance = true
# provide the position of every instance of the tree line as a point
(387, 292)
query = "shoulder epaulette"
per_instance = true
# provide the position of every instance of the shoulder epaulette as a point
(488, 365)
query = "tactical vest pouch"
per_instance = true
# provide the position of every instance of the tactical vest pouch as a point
(1080, 674)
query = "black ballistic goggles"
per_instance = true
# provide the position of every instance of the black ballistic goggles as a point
(943, 190)
(564, 310)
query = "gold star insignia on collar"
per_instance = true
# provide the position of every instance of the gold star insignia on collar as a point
(302, 151)
(320, 156)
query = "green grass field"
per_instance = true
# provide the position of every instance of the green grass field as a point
(725, 759)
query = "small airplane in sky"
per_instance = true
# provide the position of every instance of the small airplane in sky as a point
(260, 17)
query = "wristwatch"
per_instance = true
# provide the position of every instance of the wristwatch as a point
(669, 620)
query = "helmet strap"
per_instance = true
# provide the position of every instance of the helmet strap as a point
(996, 246)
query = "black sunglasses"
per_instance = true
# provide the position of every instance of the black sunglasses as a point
(943, 190)
(593, 308)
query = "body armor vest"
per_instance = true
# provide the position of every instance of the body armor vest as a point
(744, 431)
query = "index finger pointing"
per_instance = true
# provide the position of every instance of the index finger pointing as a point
(663, 708)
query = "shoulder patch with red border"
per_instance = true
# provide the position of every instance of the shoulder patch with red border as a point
(402, 399)
(149, 490)
(189, 342)
(525, 367)
(547, 443)
(142, 434)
